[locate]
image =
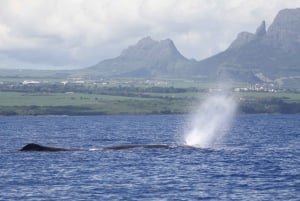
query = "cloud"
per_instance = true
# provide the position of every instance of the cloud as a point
(79, 33)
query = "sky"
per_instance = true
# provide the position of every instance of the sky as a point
(66, 34)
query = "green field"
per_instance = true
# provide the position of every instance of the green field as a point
(127, 96)
(287, 97)
(12, 103)
(17, 103)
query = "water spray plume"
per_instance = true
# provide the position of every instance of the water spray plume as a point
(210, 121)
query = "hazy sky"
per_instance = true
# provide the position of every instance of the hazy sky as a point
(78, 33)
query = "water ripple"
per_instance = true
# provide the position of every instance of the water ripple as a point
(258, 162)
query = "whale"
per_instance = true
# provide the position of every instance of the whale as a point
(139, 146)
(38, 147)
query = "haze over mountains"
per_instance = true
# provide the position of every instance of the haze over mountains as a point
(268, 55)
(147, 58)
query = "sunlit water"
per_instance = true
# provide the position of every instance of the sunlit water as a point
(258, 159)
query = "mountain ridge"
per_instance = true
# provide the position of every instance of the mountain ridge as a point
(147, 58)
(272, 53)
(267, 55)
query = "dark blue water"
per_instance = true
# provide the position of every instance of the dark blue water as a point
(259, 159)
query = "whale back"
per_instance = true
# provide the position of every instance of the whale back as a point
(139, 146)
(37, 147)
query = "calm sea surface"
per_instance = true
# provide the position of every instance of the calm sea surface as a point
(259, 159)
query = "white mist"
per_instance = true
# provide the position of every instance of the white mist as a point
(210, 121)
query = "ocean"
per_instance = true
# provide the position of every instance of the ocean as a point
(258, 158)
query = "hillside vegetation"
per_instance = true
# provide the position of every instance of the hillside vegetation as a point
(124, 97)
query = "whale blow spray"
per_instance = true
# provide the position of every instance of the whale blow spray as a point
(210, 121)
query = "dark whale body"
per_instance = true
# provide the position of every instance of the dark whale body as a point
(37, 147)
(141, 146)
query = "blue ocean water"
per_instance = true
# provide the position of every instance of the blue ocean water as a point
(258, 159)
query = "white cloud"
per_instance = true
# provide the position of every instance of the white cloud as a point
(83, 32)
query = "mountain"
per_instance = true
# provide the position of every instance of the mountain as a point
(264, 56)
(147, 58)
(268, 55)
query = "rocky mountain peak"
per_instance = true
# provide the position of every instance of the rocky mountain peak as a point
(263, 56)
(261, 30)
(146, 58)
(147, 48)
(244, 38)
(284, 32)
(167, 42)
(146, 42)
